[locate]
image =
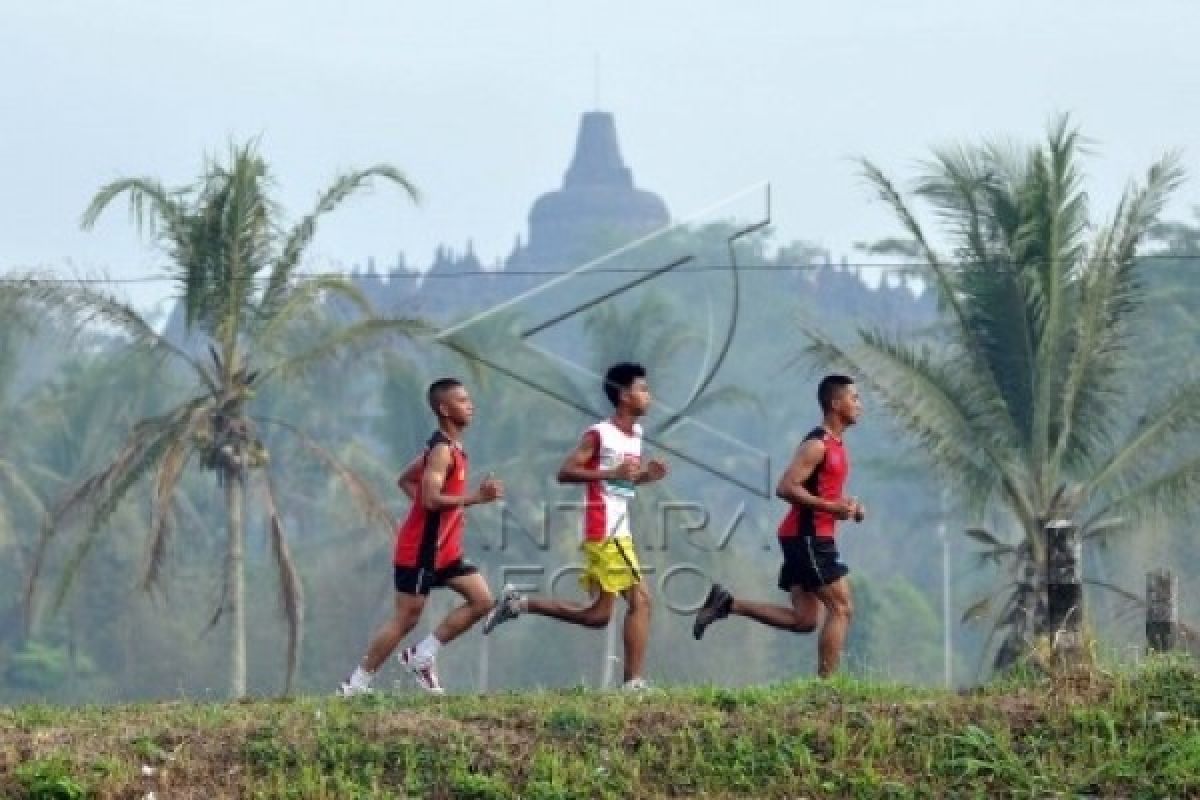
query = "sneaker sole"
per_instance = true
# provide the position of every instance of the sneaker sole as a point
(416, 676)
(424, 687)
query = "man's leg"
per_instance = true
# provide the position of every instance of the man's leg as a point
(408, 608)
(608, 565)
(595, 615)
(477, 602)
(468, 584)
(801, 617)
(637, 628)
(839, 609)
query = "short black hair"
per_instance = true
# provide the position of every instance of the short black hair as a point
(438, 388)
(828, 389)
(621, 376)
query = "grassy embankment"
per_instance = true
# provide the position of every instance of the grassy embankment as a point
(1109, 734)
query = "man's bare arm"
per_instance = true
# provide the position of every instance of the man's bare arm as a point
(433, 481)
(791, 484)
(575, 468)
(410, 478)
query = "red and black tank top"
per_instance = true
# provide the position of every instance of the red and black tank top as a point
(827, 482)
(433, 539)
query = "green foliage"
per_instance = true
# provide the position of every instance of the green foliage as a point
(77, 401)
(235, 262)
(570, 721)
(475, 786)
(50, 779)
(1024, 403)
(38, 666)
(896, 634)
(1106, 733)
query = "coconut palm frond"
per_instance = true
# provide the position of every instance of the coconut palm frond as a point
(150, 204)
(647, 332)
(943, 275)
(953, 183)
(99, 495)
(1085, 411)
(223, 601)
(1111, 293)
(995, 548)
(1146, 205)
(166, 480)
(1134, 599)
(477, 341)
(303, 300)
(11, 477)
(297, 241)
(240, 215)
(926, 397)
(291, 596)
(955, 292)
(1163, 423)
(1174, 491)
(351, 341)
(1051, 252)
(982, 607)
(89, 305)
(1101, 528)
(359, 490)
(721, 397)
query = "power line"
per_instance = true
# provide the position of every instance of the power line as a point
(910, 268)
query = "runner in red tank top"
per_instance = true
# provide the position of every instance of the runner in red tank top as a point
(812, 574)
(429, 553)
(826, 482)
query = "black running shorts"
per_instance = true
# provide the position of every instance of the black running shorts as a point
(420, 580)
(809, 562)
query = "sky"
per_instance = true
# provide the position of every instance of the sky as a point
(479, 102)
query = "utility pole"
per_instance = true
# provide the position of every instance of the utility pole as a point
(947, 639)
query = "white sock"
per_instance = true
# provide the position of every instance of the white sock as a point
(428, 648)
(360, 678)
(523, 604)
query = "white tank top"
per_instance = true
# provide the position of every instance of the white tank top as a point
(606, 512)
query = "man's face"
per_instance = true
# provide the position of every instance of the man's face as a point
(637, 396)
(848, 405)
(456, 405)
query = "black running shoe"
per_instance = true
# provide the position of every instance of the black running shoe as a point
(716, 606)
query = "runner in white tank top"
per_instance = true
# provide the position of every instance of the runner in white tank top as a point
(607, 506)
(608, 461)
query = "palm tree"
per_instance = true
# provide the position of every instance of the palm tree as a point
(1021, 400)
(236, 271)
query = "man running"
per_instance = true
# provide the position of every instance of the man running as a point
(608, 461)
(429, 551)
(812, 573)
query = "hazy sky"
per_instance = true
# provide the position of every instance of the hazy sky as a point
(479, 102)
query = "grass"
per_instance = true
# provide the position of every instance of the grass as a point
(1090, 733)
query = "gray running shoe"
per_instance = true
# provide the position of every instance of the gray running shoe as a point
(506, 608)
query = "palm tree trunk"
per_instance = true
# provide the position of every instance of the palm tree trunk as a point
(235, 491)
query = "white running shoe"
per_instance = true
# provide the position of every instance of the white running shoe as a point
(348, 689)
(506, 608)
(423, 672)
(636, 685)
